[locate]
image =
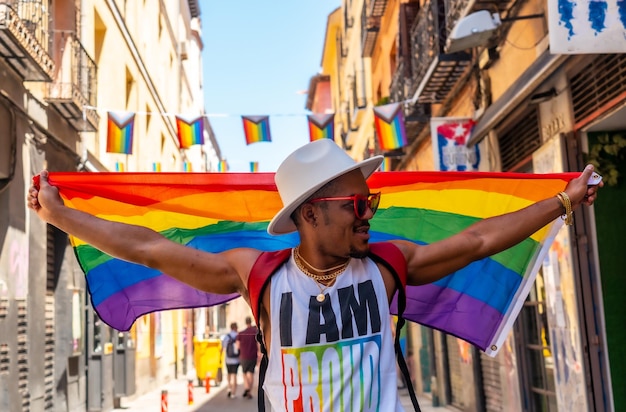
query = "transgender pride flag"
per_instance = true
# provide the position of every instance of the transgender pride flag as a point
(256, 129)
(321, 126)
(120, 127)
(390, 129)
(190, 132)
(220, 211)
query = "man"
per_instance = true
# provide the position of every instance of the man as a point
(248, 355)
(319, 355)
(231, 352)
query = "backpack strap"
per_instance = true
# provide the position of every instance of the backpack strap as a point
(264, 267)
(390, 256)
(266, 264)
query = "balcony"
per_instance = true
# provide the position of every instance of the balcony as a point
(417, 115)
(24, 39)
(371, 15)
(434, 72)
(74, 84)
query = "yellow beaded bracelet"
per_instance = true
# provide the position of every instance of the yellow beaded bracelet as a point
(568, 217)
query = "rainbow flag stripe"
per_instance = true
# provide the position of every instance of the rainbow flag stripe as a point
(120, 127)
(215, 212)
(190, 132)
(321, 126)
(256, 129)
(254, 167)
(390, 129)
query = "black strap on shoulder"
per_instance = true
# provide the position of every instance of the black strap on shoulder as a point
(392, 258)
(266, 264)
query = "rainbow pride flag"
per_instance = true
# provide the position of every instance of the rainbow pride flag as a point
(390, 129)
(217, 211)
(254, 167)
(120, 127)
(256, 129)
(321, 126)
(190, 131)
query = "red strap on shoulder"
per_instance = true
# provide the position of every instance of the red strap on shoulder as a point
(265, 265)
(390, 255)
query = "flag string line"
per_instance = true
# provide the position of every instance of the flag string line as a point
(223, 115)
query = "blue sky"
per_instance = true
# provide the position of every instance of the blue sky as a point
(257, 56)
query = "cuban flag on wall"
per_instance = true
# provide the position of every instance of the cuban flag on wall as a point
(449, 136)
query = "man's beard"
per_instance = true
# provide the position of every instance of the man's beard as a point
(358, 254)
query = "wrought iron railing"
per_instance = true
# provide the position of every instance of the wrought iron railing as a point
(34, 17)
(424, 42)
(454, 10)
(76, 75)
(397, 89)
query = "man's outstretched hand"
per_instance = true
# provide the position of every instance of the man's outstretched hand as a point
(582, 190)
(42, 197)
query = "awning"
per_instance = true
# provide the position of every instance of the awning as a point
(519, 91)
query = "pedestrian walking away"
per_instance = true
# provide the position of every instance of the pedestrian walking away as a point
(248, 355)
(230, 346)
(330, 297)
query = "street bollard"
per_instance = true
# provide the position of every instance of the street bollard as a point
(207, 382)
(164, 401)
(190, 392)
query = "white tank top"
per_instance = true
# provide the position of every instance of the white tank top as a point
(343, 342)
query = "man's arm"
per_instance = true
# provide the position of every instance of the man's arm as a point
(429, 263)
(221, 273)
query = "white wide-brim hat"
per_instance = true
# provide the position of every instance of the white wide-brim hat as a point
(306, 170)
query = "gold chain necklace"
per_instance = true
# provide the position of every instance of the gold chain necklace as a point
(299, 256)
(338, 270)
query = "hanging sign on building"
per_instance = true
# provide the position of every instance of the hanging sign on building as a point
(587, 26)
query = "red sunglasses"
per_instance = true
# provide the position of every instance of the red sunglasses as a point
(361, 203)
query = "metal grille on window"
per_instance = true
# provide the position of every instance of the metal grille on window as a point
(22, 352)
(598, 83)
(55, 246)
(520, 139)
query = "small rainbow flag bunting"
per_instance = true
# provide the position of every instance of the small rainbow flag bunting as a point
(190, 132)
(254, 167)
(222, 166)
(119, 166)
(187, 166)
(321, 126)
(120, 126)
(156, 166)
(256, 129)
(389, 122)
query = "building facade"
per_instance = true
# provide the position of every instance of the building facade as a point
(64, 65)
(535, 111)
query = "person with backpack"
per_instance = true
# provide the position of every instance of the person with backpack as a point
(231, 350)
(248, 355)
(324, 315)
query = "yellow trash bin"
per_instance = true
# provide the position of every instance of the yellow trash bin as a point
(207, 357)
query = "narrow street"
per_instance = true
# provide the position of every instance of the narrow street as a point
(216, 399)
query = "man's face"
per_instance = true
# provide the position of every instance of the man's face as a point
(343, 232)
